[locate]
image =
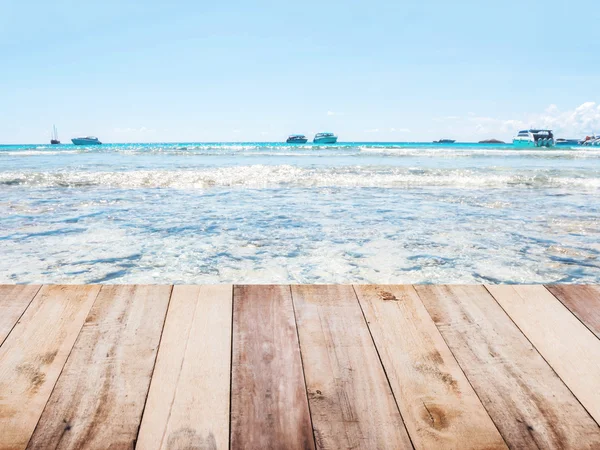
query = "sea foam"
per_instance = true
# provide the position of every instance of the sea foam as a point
(268, 176)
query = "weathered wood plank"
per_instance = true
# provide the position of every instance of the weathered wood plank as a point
(99, 397)
(269, 408)
(528, 402)
(188, 401)
(569, 347)
(14, 299)
(438, 405)
(351, 403)
(583, 301)
(34, 354)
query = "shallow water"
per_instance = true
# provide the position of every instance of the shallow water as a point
(275, 213)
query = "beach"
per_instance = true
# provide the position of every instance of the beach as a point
(277, 213)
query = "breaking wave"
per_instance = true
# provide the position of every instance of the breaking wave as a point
(268, 176)
(576, 152)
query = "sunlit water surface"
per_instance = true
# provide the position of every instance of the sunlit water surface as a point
(276, 213)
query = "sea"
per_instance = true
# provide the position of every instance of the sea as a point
(280, 213)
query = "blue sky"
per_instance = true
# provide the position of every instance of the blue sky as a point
(250, 71)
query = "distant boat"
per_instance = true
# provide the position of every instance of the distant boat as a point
(297, 139)
(325, 138)
(88, 140)
(591, 141)
(566, 142)
(534, 138)
(445, 141)
(54, 140)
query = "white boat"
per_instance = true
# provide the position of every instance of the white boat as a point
(561, 142)
(534, 138)
(325, 138)
(591, 141)
(87, 140)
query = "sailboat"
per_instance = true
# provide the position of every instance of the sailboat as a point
(54, 139)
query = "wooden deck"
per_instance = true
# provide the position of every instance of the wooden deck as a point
(299, 367)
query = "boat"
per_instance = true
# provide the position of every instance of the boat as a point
(296, 139)
(566, 142)
(591, 141)
(325, 138)
(88, 140)
(445, 141)
(534, 138)
(54, 140)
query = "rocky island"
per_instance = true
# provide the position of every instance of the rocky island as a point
(492, 141)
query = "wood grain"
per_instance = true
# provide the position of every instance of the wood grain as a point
(33, 356)
(528, 402)
(438, 405)
(188, 402)
(269, 408)
(14, 299)
(569, 347)
(583, 301)
(99, 397)
(431, 354)
(351, 403)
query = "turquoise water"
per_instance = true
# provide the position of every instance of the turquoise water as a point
(275, 213)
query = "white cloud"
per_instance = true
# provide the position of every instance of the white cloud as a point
(264, 133)
(372, 130)
(134, 130)
(400, 130)
(448, 118)
(585, 119)
(574, 123)
(332, 113)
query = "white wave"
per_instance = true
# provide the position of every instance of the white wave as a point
(261, 176)
(38, 152)
(458, 152)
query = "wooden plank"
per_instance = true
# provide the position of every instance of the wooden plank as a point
(568, 346)
(269, 408)
(14, 299)
(583, 301)
(438, 405)
(350, 399)
(527, 401)
(188, 402)
(33, 356)
(99, 397)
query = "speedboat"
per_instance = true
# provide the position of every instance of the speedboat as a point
(325, 138)
(534, 138)
(591, 141)
(296, 139)
(445, 141)
(88, 140)
(566, 142)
